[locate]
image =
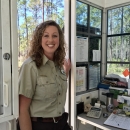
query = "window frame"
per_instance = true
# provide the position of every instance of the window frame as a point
(114, 35)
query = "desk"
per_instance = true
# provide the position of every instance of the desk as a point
(96, 122)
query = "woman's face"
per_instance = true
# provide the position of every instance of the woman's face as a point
(50, 41)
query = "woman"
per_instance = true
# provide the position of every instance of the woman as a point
(43, 81)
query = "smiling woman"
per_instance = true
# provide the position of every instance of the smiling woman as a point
(50, 41)
(42, 83)
(45, 35)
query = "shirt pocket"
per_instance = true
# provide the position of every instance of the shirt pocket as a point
(63, 80)
(46, 89)
(63, 77)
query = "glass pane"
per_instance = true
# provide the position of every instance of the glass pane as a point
(117, 69)
(94, 49)
(95, 20)
(30, 14)
(126, 19)
(114, 21)
(54, 10)
(94, 75)
(118, 49)
(81, 17)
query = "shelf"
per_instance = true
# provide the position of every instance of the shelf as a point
(87, 91)
(81, 63)
(126, 97)
(122, 98)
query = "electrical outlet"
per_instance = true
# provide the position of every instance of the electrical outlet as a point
(86, 98)
(126, 108)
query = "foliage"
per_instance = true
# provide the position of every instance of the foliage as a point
(81, 13)
(30, 14)
(118, 47)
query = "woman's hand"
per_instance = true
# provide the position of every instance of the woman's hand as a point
(67, 66)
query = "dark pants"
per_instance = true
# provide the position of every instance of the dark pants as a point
(61, 125)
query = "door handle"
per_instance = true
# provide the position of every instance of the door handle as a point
(6, 56)
(5, 95)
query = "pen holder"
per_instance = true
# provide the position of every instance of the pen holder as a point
(109, 108)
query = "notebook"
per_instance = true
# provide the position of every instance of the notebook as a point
(118, 121)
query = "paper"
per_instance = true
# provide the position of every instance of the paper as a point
(82, 49)
(96, 55)
(81, 73)
(118, 121)
(94, 76)
(120, 99)
(97, 105)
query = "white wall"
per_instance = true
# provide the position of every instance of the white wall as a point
(82, 97)
(10, 125)
(109, 3)
(3, 126)
(97, 2)
(1, 90)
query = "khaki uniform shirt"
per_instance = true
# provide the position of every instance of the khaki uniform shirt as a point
(46, 87)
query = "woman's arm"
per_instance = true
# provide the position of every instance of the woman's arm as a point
(24, 117)
(67, 66)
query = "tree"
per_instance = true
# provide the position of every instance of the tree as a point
(31, 13)
(35, 8)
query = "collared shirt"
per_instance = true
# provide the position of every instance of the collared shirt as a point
(46, 87)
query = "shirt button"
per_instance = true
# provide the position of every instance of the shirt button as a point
(59, 112)
(59, 93)
(59, 103)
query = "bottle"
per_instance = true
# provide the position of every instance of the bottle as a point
(124, 104)
(125, 92)
(121, 92)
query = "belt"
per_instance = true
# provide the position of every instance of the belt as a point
(51, 119)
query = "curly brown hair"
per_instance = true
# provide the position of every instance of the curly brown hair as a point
(36, 50)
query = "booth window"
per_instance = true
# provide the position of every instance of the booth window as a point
(118, 40)
(30, 14)
(89, 26)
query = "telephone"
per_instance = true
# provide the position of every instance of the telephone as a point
(94, 112)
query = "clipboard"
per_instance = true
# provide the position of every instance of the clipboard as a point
(118, 121)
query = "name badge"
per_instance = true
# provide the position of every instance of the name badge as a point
(62, 71)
